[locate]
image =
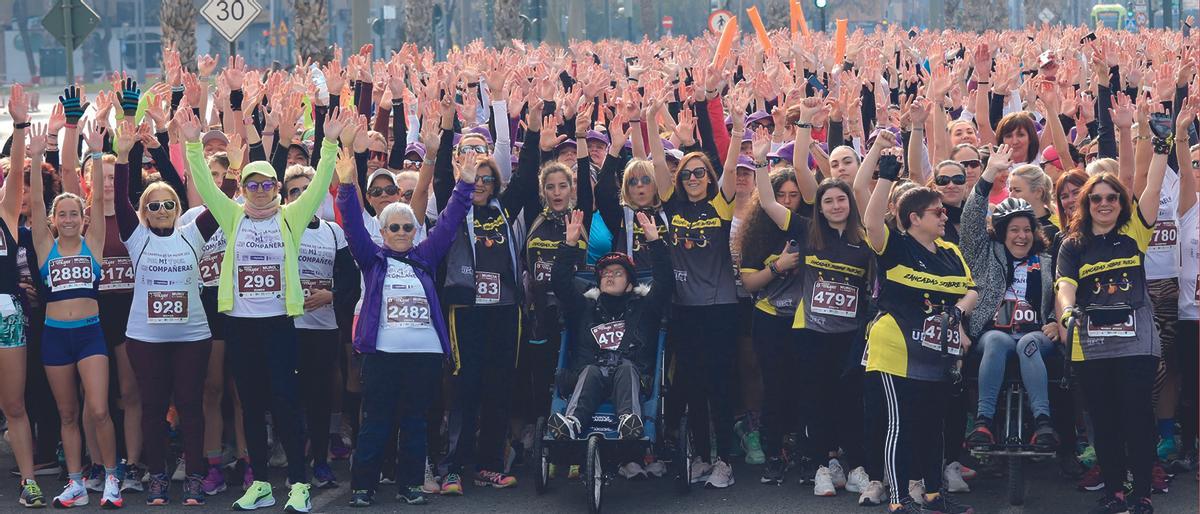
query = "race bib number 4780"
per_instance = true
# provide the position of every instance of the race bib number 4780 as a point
(608, 335)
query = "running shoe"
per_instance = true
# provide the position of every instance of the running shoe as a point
(31, 495)
(968, 474)
(193, 491)
(953, 478)
(485, 478)
(916, 491)
(93, 478)
(111, 498)
(1141, 506)
(452, 485)
(630, 426)
(180, 472)
(278, 456)
(258, 495)
(858, 480)
(837, 473)
(807, 469)
(247, 476)
(1044, 436)
(1092, 480)
(1088, 455)
(214, 481)
(656, 469)
(981, 437)
(633, 471)
(573, 472)
(945, 504)
(773, 471)
(323, 477)
(361, 498)
(73, 495)
(907, 506)
(1110, 504)
(412, 496)
(563, 427)
(721, 475)
(299, 498)
(1166, 449)
(431, 485)
(133, 479)
(823, 483)
(159, 485)
(1159, 482)
(39, 470)
(700, 470)
(874, 494)
(338, 449)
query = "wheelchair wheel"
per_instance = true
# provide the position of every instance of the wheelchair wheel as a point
(683, 461)
(1016, 480)
(542, 454)
(594, 475)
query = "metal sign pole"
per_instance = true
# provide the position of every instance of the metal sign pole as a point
(69, 42)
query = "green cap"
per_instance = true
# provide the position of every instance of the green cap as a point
(263, 168)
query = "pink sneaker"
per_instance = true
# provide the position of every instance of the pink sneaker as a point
(338, 449)
(247, 477)
(214, 481)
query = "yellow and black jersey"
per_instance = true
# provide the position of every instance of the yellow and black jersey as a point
(1109, 272)
(907, 338)
(782, 295)
(546, 234)
(699, 237)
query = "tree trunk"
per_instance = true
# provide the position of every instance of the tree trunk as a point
(506, 21)
(310, 28)
(177, 18)
(418, 22)
(21, 16)
(649, 17)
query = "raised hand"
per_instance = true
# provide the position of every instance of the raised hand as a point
(127, 135)
(206, 64)
(145, 134)
(235, 72)
(130, 94)
(57, 119)
(94, 135)
(574, 227)
(1122, 111)
(761, 144)
(236, 151)
(187, 123)
(1001, 158)
(466, 166)
(649, 227)
(72, 102)
(345, 168)
(18, 104)
(337, 121)
(38, 139)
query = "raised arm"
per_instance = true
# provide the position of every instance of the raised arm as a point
(14, 185)
(95, 232)
(806, 180)
(569, 256)
(1187, 181)
(73, 109)
(983, 74)
(127, 219)
(362, 247)
(884, 140)
(223, 208)
(889, 169)
(1148, 199)
(431, 137)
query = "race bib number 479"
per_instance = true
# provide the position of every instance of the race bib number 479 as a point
(608, 335)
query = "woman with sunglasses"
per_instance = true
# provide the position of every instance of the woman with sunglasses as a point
(1009, 259)
(1102, 290)
(483, 288)
(73, 349)
(971, 159)
(260, 289)
(167, 331)
(914, 343)
(950, 179)
(1188, 331)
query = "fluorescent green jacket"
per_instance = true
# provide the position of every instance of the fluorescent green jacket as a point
(229, 215)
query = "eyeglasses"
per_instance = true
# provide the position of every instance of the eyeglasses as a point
(1092, 156)
(695, 173)
(612, 273)
(1097, 198)
(296, 191)
(486, 180)
(1195, 164)
(646, 180)
(971, 163)
(939, 211)
(476, 149)
(407, 196)
(411, 165)
(265, 186)
(376, 192)
(148, 165)
(396, 227)
(377, 155)
(945, 180)
(165, 205)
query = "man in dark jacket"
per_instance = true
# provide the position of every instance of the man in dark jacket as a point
(614, 330)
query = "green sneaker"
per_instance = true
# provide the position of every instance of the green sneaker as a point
(1166, 449)
(1088, 456)
(299, 499)
(31, 495)
(754, 452)
(257, 495)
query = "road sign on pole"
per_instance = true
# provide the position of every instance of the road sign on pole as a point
(718, 19)
(230, 17)
(70, 22)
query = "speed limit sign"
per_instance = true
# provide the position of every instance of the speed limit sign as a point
(230, 17)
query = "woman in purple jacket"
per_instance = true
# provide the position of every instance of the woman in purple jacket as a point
(400, 329)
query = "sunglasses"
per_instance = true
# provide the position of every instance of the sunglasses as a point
(971, 163)
(486, 180)
(940, 211)
(296, 191)
(695, 173)
(476, 149)
(148, 165)
(1195, 164)
(407, 196)
(411, 165)
(265, 186)
(945, 180)
(377, 155)
(377, 191)
(774, 160)
(645, 180)
(396, 227)
(168, 205)
(1097, 198)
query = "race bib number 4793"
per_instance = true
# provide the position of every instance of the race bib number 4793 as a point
(259, 280)
(932, 336)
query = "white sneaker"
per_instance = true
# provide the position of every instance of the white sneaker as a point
(858, 481)
(73, 495)
(111, 499)
(837, 473)
(633, 471)
(700, 470)
(874, 494)
(823, 483)
(721, 476)
(916, 489)
(278, 457)
(953, 478)
(180, 472)
(656, 469)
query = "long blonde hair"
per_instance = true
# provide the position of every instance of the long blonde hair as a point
(1036, 178)
(643, 167)
(153, 188)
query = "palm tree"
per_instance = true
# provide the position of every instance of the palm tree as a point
(310, 28)
(418, 24)
(507, 21)
(177, 18)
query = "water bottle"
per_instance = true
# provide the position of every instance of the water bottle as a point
(318, 78)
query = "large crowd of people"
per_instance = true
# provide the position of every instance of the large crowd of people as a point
(845, 241)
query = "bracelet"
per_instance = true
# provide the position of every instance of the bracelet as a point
(635, 121)
(21, 125)
(803, 125)
(1162, 145)
(982, 82)
(763, 164)
(774, 270)
(1140, 138)
(97, 155)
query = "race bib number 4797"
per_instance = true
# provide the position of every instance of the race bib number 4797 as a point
(835, 299)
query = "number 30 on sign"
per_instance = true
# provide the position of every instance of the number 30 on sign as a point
(230, 17)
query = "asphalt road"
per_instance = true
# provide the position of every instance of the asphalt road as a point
(1047, 492)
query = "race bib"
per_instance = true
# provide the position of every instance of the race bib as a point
(1014, 313)
(310, 284)
(932, 337)
(166, 307)
(407, 312)
(835, 299)
(541, 271)
(487, 287)
(3, 246)
(258, 280)
(116, 274)
(74, 272)
(608, 335)
(1166, 234)
(1125, 329)
(210, 268)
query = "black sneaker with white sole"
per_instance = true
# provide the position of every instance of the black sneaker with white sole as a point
(564, 427)
(630, 426)
(773, 471)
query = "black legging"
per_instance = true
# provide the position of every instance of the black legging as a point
(168, 372)
(830, 408)
(776, 344)
(706, 357)
(318, 361)
(1117, 392)
(1188, 344)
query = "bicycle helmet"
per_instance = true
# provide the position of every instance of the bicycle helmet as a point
(619, 259)
(1008, 209)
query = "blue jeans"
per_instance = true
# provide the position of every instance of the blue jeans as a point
(392, 383)
(1030, 348)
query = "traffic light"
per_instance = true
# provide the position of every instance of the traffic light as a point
(821, 5)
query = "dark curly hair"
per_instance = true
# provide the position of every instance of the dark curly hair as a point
(760, 237)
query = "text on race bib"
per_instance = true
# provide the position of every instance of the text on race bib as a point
(1166, 234)
(116, 274)
(542, 270)
(1014, 313)
(1123, 329)
(407, 312)
(259, 280)
(608, 335)
(210, 268)
(311, 284)
(487, 287)
(931, 336)
(835, 299)
(74, 272)
(166, 307)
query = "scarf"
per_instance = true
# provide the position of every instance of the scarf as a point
(261, 214)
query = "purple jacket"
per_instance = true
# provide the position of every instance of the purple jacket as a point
(373, 261)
